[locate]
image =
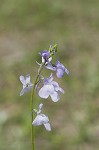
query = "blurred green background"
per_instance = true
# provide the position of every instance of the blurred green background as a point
(28, 27)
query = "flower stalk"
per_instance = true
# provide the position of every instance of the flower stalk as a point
(32, 102)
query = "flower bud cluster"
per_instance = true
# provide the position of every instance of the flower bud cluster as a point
(53, 49)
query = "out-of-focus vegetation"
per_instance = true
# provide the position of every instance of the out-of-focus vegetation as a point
(30, 26)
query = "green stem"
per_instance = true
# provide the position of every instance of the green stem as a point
(32, 100)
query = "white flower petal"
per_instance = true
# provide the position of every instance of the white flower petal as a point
(30, 85)
(22, 79)
(55, 84)
(43, 93)
(55, 97)
(27, 78)
(57, 88)
(50, 88)
(49, 66)
(44, 119)
(67, 71)
(47, 126)
(38, 120)
(50, 59)
(24, 86)
(24, 90)
(40, 106)
(60, 72)
(61, 90)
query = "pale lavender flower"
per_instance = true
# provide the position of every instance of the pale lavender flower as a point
(45, 56)
(50, 88)
(59, 68)
(27, 85)
(41, 119)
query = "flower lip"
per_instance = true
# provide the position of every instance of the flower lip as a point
(50, 88)
(41, 119)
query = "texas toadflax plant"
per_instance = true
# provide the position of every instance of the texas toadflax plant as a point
(50, 87)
